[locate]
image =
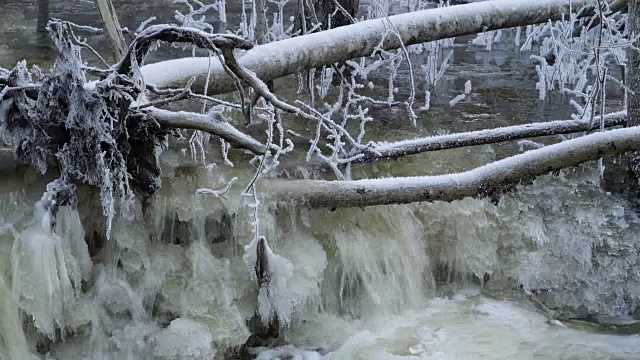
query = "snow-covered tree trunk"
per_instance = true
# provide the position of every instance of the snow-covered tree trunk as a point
(633, 78)
(286, 57)
(398, 149)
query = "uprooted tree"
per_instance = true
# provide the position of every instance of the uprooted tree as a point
(101, 124)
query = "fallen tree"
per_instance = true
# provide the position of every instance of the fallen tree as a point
(395, 150)
(100, 133)
(290, 56)
(486, 181)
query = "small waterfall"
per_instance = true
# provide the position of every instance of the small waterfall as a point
(380, 265)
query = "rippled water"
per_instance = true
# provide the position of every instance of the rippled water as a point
(394, 282)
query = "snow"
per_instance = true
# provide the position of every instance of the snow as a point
(456, 100)
(467, 87)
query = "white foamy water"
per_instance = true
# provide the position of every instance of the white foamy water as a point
(476, 327)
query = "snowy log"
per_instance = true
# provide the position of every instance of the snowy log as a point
(208, 123)
(290, 56)
(487, 180)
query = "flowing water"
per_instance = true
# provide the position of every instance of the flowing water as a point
(418, 281)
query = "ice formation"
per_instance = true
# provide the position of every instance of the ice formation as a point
(50, 259)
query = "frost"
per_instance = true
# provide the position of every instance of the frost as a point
(456, 100)
(467, 87)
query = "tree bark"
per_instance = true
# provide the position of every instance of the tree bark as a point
(325, 10)
(484, 181)
(286, 57)
(262, 30)
(112, 28)
(633, 79)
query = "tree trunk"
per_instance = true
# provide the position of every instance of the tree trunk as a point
(633, 79)
(486, 181)
(112, 28)
(336, 13)
(282, 58)
(262, 31)
(43, 16)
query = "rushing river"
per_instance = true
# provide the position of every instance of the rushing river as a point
(418, 281)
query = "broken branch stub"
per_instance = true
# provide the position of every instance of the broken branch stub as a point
(112, 28)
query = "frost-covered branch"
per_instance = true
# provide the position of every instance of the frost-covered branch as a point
(614, 7)
(399, 149)
(209, 123)
(395, 150)
(489, 180)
